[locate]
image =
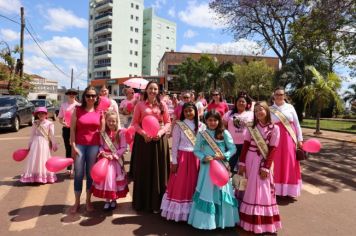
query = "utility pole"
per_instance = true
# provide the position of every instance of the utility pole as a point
(71, 79)
(22, 42)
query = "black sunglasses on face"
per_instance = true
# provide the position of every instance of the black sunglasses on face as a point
(90, 95)
(215, 94)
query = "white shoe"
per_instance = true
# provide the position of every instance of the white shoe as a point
(106, 206)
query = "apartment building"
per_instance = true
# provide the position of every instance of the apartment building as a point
(159, 36)
(115, 38)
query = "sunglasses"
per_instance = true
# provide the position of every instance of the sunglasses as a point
(215, 94)
(186, 97)
(90, 95)
(279, 94)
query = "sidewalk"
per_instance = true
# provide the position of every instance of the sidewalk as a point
(345, 137)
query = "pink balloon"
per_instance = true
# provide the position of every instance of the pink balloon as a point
(55, 164)
(150, 125)
(218, 173)
(20, 154)
(68, 117)
(104, 103)
(99, 170)
(312, 145)
(128, 137)
(129, 107)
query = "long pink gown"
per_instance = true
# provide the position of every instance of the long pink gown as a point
(35, 170)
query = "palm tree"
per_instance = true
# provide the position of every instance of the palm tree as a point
(320, 92)
(350, 96)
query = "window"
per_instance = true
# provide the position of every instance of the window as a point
(158, 36)
(130, 64)
(135, 65)
(167, 37)
(136, 30)
(131, 40)
(136, 53)
(91, 17)
(131, 28)
(137, 18)
(132, 5)
(136, 41)
(167, 27)
(130, 52)
(137, 7)
(132, 17)
(130, 75)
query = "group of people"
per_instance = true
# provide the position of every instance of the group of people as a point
(252, 139)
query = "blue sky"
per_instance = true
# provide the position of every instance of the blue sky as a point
(61, 26)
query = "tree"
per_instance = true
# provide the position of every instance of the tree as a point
(268, 20)
(320, 91)
(190, 74)
(350, 96)
(328, 28)
(255, 78)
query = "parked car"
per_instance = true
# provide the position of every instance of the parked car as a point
(48, 104)
(15, 110)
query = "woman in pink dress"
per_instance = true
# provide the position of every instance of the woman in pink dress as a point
(42, 134)
(259, 210)
(218, 104)
(177, 200)
(287, 174)
(115, 184)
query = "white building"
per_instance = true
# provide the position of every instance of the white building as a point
(159, 36)
(115, 38)
(43, 88)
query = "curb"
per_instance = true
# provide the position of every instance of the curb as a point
(335, 139)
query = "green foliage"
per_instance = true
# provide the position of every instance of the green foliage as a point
(256, 78)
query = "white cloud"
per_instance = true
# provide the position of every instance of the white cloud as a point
(172, 12)
(241, 47)
(200, 15)
(61, 19)
(10, 6)
(9, 35)
(190, 34)
(158, 4)
(70, 49)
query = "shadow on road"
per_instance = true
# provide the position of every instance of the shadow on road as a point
(333, 169)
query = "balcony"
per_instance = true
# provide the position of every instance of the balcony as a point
(104, 16)
(104, 5)
(102, 65)
(104, 28)
(102, 52)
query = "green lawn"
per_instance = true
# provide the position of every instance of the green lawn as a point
(347, 126)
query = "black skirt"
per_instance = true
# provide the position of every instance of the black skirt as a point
(150, 170)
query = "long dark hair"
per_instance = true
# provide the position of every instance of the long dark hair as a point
(196, 118)
(220, 128)
(145, 96)
(84, 102)
(265, 106)
(247, 99)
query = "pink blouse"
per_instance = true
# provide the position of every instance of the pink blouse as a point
(144, 108)
(87, 127)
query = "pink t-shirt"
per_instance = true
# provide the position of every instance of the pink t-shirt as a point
(238, 130)
(222, 107)
(144, 108)
(66, 107)
(87, 127)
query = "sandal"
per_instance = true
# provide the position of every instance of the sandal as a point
(106, 206)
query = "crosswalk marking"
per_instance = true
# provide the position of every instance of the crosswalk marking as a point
(22, 138)
(312, 189)
(5, 188)
(34, 197)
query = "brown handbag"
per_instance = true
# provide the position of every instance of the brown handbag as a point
(301, 155)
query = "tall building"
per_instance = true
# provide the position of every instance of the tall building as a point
(115, 38)
(159, 36)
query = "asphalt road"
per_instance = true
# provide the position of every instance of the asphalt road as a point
(327, 205)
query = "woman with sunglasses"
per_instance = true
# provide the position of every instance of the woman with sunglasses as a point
(218, 104)
(86, 124)
(287, 175)
(150, 155)
(66, 111)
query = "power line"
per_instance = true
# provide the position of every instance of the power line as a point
(10, 19)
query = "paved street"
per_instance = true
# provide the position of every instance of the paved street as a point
(327, 205)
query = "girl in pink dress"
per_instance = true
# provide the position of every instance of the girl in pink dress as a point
(42, 134)
(115, 184)
(259, 211)
(177, 200)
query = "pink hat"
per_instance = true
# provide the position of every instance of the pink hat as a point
(40, 109)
